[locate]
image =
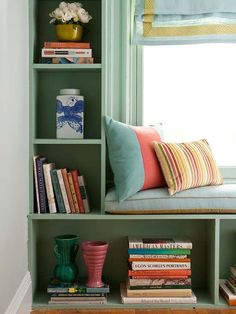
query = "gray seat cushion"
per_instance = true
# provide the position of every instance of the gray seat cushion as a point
(208, 199)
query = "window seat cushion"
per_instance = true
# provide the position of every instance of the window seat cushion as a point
(208, 199)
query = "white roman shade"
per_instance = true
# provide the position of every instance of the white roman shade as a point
(158, 22)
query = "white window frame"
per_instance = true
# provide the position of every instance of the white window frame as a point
(229, 173)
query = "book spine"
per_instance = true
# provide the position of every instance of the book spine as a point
(61, 53)
(162, 260)
(167, 287)
(77, 190)
(68, 190)
(159, 265)
(73, 60)
(68, 45)
(165, 276)
(161, 257)
(80, 298)
(135, 244)
(160, 293)
(73, 193)
(159, 282)
(63, 191)
(159, 251)
(41, 185)
(159, 300)
(80, 290)
(36, 182)
(78, 295)
(78, 302)
(57, 190)
(83, 193)
(49, 188)
(168, 272)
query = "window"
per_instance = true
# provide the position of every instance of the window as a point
(191, 89)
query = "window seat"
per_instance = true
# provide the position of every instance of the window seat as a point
(209, 199)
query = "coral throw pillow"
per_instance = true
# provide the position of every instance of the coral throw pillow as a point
(187, 165)
(132, 158)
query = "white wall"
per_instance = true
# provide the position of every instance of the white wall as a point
(14, 148)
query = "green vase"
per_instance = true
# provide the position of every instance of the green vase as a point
(66, 249)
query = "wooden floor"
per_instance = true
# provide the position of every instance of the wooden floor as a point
(128, 311)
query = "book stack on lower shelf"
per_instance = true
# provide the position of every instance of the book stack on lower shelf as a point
(228, 287)
(67, 53)
(75, 294)
(159, 271)
(58, 190)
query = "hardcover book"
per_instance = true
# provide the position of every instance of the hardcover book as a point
(63, 191)
(72, 45)
(163, 283)
(159, 251)
(68, 190)
(73, 193)
(150, 300)
(228, 295)
(159, 265)
(50, 52)
(84, 194)
(43, 202)
(36, 182)
(57, 190)
(75, 174)
(159, 243)
(49, 187)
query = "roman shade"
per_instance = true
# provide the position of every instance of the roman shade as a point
(158, 22)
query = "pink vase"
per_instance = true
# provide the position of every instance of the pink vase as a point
(94, 253)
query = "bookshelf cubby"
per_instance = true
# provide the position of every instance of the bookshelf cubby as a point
(213, 236)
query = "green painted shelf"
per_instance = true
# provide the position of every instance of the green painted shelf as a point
(67, 142)
(66, 67)
(114, 301)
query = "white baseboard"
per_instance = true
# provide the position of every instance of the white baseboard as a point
(22, 300)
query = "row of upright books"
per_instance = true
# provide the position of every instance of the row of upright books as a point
(76, 293)
(228, 287)
(159, 271)
(58, 190)
(67, 52)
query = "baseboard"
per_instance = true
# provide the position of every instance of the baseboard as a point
(22, 300)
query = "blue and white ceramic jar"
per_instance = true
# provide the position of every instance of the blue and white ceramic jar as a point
(70, 114)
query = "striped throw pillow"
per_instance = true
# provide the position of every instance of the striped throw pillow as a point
(187, 165)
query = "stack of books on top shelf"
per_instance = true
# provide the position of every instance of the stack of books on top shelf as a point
(159, 271)
(58, 190)
(67, 52)
(63, 293)
(228, 287)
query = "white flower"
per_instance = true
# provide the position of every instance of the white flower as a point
(67, 17)
(72, 7)
(58, 13)
(62, 5)
(83, 15)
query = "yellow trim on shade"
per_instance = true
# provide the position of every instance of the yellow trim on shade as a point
(150, 31)
(148, 7)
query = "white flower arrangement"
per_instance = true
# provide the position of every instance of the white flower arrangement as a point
(70, 13)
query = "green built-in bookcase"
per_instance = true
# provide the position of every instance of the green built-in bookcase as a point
(213, 236)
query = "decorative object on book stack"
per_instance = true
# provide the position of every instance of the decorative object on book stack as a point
(70, 114)
(69, 19)
(94, 253)
(66, 249)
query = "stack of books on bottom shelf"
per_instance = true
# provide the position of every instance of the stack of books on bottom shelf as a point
(159, 271)
(228, 287)
(75, 294)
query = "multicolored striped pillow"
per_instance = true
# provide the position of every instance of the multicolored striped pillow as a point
(132, 157)
(187, 165)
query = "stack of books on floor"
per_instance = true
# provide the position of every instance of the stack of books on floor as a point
(58, 190)
(228, 287)
(159, 271)
(67, 52)
(75, 294)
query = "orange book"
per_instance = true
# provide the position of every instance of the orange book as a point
(169, 272)
(159, 277)
(68, 190)
(73, 193)
(75, 174)
(68, 45)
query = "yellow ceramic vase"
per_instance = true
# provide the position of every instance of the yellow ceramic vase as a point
(69, 32)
